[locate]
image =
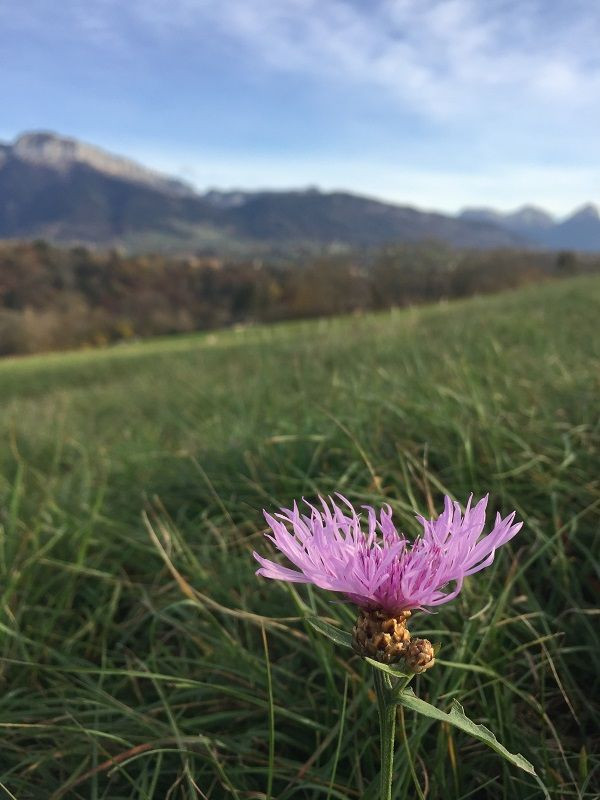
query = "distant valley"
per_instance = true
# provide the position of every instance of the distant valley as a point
(69, 192)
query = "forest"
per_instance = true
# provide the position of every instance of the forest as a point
(62, 298)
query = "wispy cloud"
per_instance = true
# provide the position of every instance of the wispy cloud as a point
(442, 57)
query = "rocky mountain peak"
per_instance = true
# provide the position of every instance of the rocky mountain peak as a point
(61, 153)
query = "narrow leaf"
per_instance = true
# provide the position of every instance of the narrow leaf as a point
(458, 718)
(342, 638)
(393, 671)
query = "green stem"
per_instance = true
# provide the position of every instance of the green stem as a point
(409, 757)
(387, 730)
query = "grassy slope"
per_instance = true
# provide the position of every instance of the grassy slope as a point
(107, 655)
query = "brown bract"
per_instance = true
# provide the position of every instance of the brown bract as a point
(419, 655)
(381, 636)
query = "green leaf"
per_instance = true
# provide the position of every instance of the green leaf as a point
(458, 718)
(395, 673)
(335, 634)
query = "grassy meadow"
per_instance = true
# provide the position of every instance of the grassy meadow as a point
(142, 658)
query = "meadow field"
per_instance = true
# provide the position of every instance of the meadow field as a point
(142, 658)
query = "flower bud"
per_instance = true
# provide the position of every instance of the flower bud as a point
(419, 655)
(380, 635)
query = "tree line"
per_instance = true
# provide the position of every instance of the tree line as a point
(59, 298)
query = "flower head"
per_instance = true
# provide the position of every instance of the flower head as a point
(374, 565)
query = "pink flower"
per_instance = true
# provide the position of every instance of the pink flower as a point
(378, 567)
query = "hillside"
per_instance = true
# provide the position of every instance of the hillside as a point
(134, 651)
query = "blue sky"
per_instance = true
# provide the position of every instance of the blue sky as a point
(440, 103)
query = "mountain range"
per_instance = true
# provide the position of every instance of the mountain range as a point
(578, 231)
(67, 191)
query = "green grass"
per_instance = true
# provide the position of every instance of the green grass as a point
(134, 634)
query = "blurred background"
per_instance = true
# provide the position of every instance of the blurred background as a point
(200, 164)
(255, 250)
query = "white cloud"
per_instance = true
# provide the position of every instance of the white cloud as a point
(441, 57)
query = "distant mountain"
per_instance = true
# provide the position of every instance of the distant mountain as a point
(61, 154)
(67, 191)
(579, 231)
(343, 218)
(529, 221)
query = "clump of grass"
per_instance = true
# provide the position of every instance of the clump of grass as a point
(134, 645)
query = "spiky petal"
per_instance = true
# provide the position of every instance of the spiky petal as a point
(374, 565)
